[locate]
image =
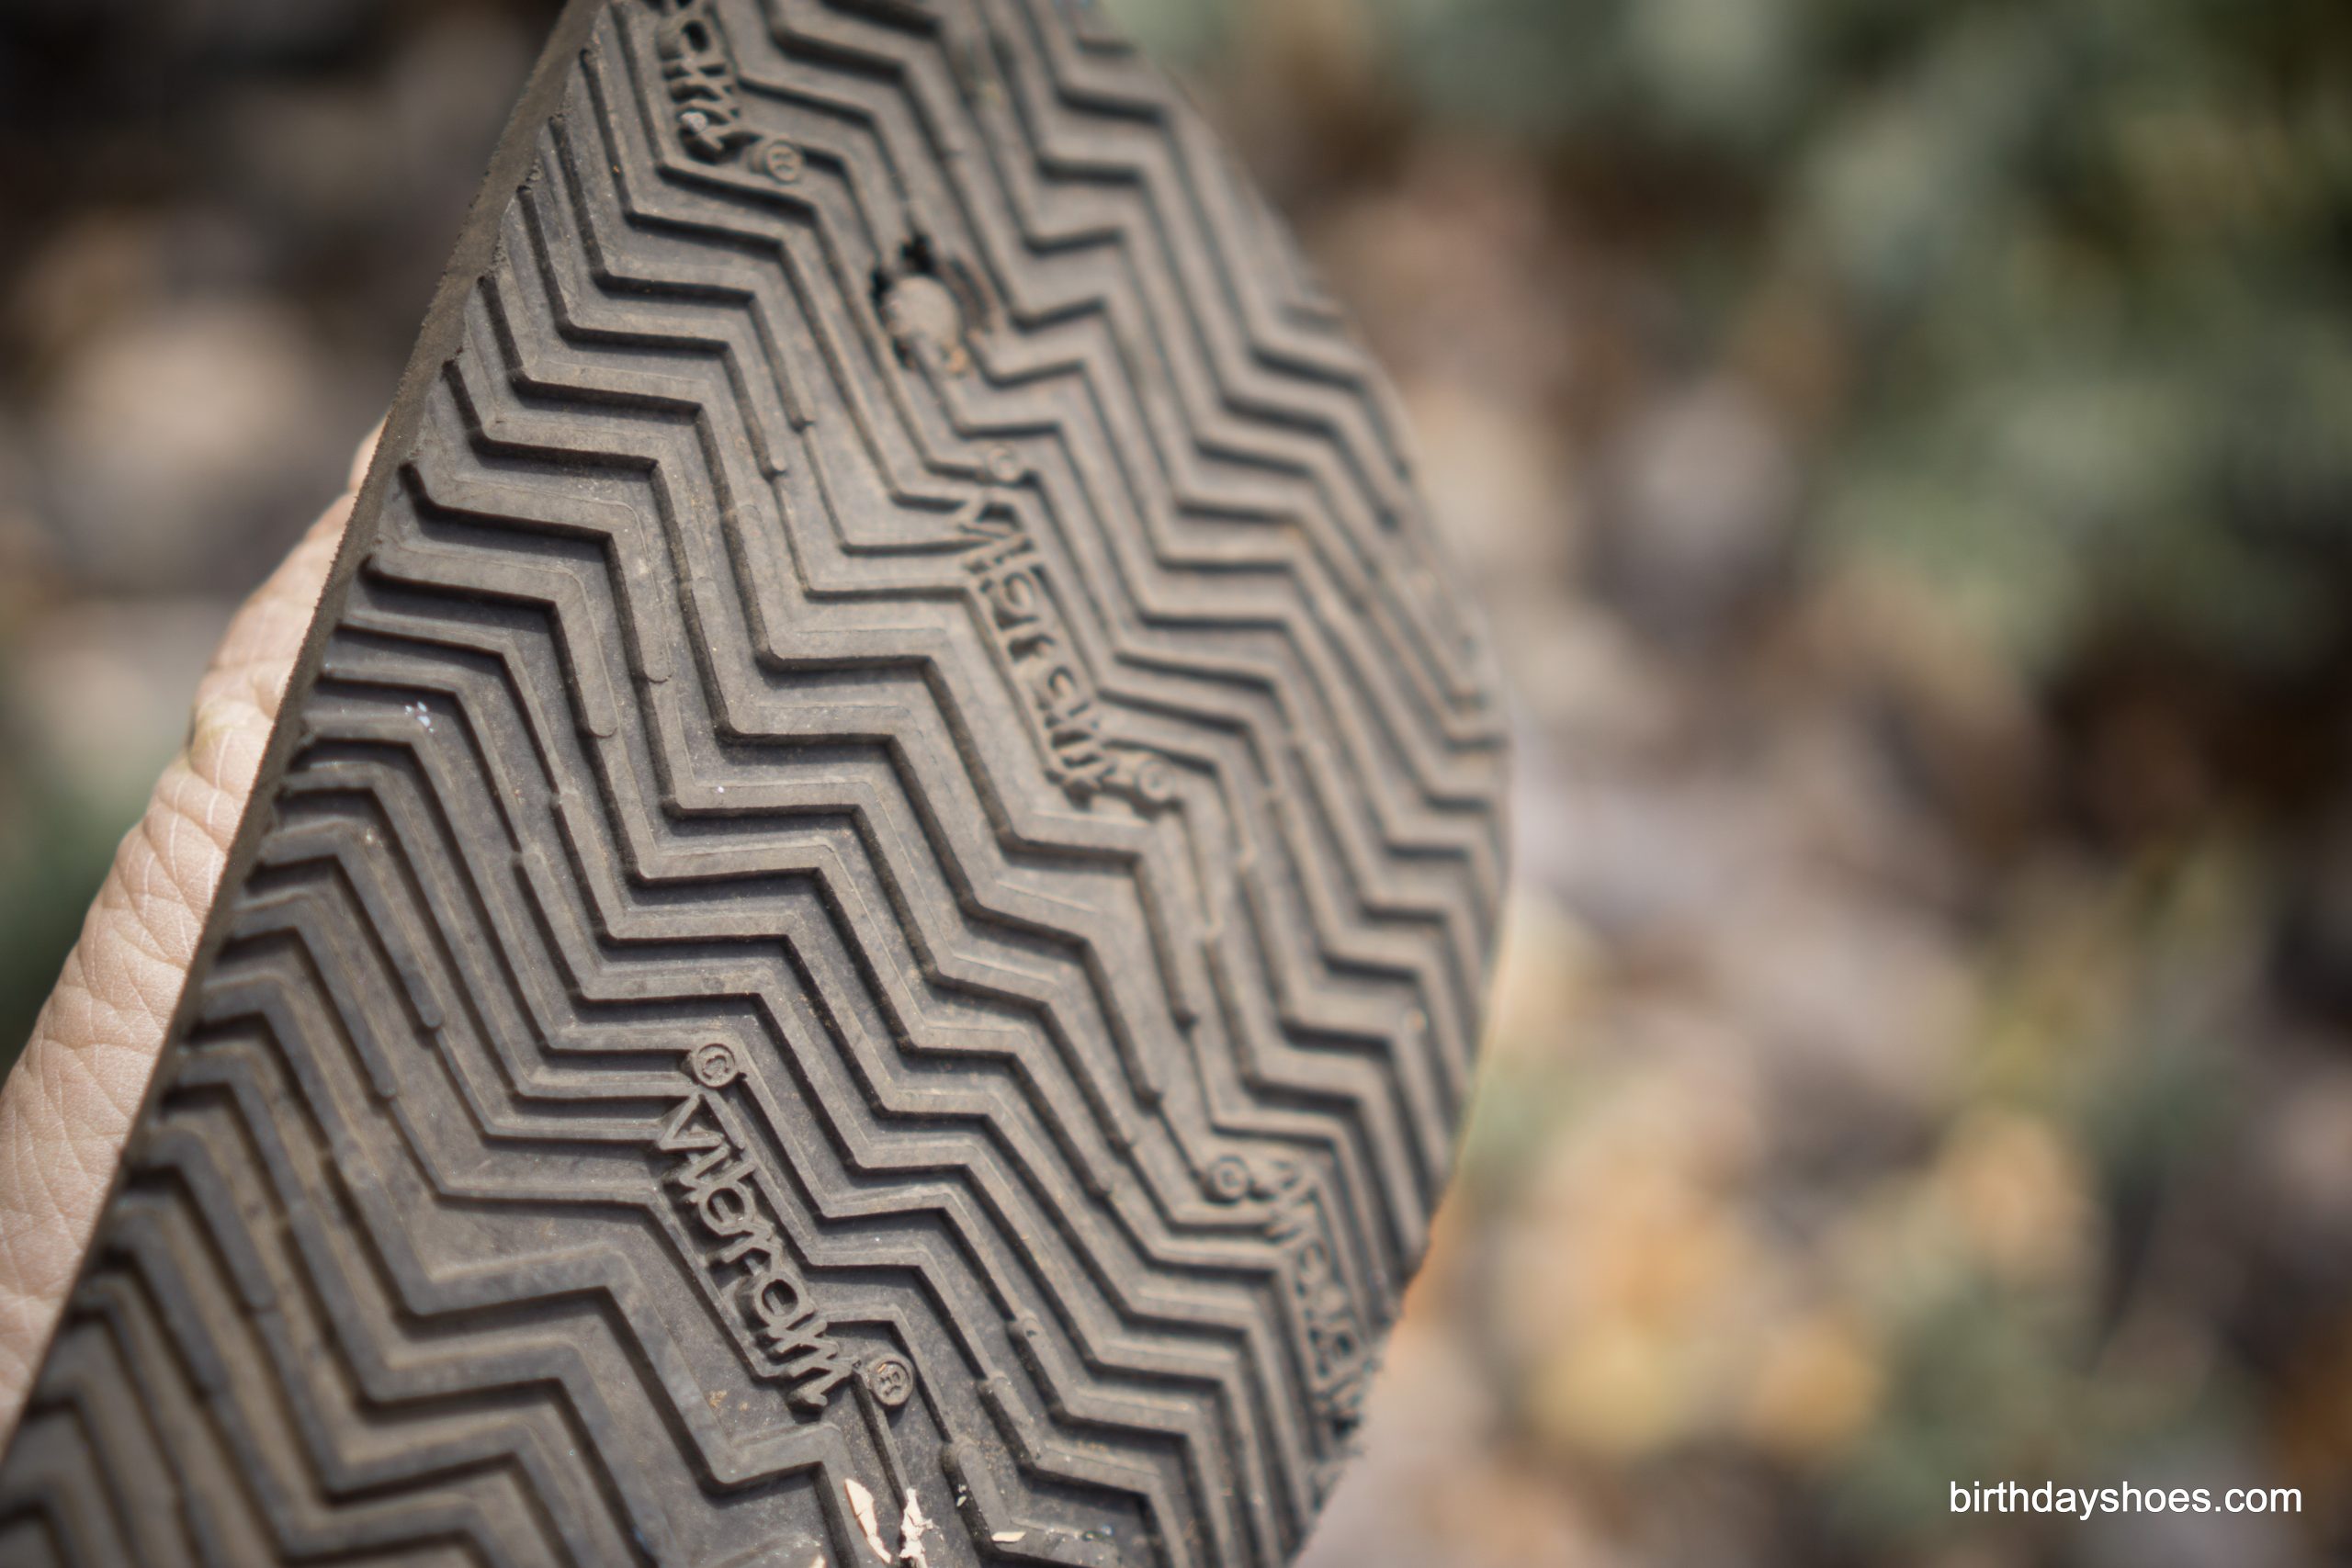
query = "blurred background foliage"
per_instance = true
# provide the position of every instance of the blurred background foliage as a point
(1904, 448)
(2058, 289)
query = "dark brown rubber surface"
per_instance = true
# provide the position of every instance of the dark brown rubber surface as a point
(863, 939)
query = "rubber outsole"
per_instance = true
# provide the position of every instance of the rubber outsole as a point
(862, 937)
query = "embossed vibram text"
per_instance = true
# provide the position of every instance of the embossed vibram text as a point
(1329, 1324)
(700, 78)
(750, 1276)
(1008, 575)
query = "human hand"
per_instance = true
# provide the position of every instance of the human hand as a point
(69, 1105)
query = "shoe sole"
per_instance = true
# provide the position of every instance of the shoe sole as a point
(862, 937)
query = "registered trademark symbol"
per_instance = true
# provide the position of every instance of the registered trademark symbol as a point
(713, 1065)
(1229, 1180)
(783, 161)
(892, 1381)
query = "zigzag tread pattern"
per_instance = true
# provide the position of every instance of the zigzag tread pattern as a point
(866, 941)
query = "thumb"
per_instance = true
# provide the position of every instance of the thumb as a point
(68, 1106)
